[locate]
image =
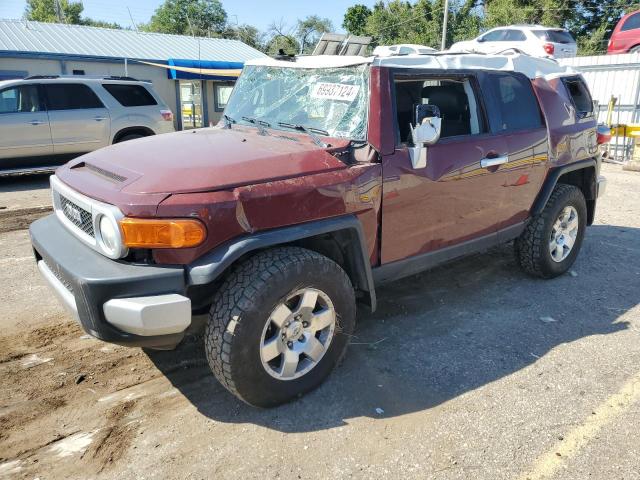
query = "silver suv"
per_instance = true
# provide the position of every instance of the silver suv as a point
(45, 121)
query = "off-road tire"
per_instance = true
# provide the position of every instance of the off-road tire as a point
(532, 246)
(241, 308)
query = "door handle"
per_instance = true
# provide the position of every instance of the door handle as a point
(99, 119)
(494, 161)
(36, 122)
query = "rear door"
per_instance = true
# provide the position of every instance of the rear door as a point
(24, 126)
(79, 121)
(564, 45)
(518, 120)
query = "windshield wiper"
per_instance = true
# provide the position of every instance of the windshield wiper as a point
(258, 123)
(311, 131)
(228, 121)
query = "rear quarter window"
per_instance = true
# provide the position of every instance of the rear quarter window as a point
(517, 103)
(130, 95)
(580, 96)
(631, 23)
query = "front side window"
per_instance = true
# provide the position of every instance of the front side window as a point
(580, 95)
(130, 95)
(494, 36)
(331, 100)
(631, 23)
(518, 105)
(455, 98)
(70, 96)
(24, 98)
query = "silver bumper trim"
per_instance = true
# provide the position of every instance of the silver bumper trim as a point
(602, 185)
(147, 316)
(62, 292)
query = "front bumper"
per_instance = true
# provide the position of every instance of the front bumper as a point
(134, 305)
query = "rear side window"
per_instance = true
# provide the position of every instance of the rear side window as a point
(130, 95)
(517, 103)
(555, 36)
(71, 96)
(580, 95)
(631, 23)
(20, 99)
(514, 36)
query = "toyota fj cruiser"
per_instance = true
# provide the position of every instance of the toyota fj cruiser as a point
(326, 177)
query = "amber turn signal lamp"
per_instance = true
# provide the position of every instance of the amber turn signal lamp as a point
(162, 232)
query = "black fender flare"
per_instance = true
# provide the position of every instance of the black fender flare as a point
(210, 266)
(552, 179)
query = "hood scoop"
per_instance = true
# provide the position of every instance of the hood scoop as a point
(101, 172)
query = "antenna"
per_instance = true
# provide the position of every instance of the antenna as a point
(135, 27)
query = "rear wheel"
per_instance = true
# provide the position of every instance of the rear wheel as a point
(551, 242)
(635, 49)
(279, 324)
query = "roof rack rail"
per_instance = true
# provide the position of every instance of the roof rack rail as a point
(41, 77)
(117, 77)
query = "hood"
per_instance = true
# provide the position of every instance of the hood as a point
(198, 160)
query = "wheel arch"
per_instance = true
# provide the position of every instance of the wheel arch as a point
(145, 131)
(341, 239)
(582, 174)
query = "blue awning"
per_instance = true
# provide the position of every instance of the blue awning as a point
(203, 69)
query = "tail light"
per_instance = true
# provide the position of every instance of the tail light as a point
(167, 115)
(603, 134)
(549, 48)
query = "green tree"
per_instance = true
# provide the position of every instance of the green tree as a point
(355, 19)
(47, 11)
(308, 32)
(200, 18)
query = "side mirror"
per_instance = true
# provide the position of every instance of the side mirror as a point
(480, 40)
(426, 132)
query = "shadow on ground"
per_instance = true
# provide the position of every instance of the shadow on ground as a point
(442, 333)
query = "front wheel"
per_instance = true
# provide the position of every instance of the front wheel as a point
(279, 324)
(551, 241)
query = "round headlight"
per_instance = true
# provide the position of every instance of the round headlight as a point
(109, 234)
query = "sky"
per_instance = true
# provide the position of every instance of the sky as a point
(259, 13)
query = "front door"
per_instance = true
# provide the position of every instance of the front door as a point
(80, 122)
(25, 137)
(458, 196)
(191, 104)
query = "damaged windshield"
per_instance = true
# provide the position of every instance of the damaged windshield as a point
(331, 101)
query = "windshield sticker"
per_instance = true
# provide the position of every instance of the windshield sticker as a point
(335, 91)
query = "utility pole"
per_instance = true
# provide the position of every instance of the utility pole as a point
(58, 10)
(443, 44)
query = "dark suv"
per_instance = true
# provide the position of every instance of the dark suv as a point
(327, 177)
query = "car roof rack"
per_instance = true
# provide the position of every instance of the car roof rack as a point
(41, 77)
(116, 77)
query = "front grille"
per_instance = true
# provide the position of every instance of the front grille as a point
(59, 276)
(77, 215)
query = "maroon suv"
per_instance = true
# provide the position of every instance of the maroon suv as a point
(326, 177)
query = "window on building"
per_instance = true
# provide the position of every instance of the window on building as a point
(580, 95)
(78, 72)
(631, 23)
(517, 102)
(70, 96)
(221, 94)
(130, 95)
(20, 99)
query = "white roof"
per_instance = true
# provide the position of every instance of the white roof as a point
(533, 67)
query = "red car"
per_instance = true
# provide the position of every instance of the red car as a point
(328, 177)
(626, 36)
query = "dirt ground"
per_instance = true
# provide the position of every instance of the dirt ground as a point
(473, 370)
